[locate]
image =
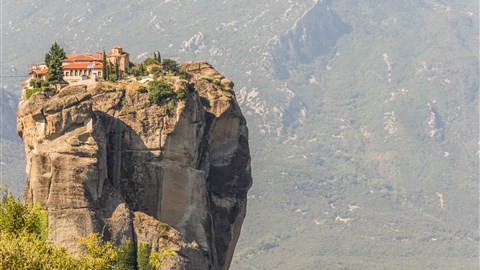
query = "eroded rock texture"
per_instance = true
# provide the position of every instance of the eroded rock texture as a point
(102, 157)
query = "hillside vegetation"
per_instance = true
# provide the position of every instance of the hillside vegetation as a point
(365, 153)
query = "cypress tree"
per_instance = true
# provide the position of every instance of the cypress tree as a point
(104, 66)
(143, 257)
(109, 69)
(126, 256)
(117, 70)
(158, 57)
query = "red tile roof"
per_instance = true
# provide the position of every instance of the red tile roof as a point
(82, 65)
(40, 71)
(85, 57)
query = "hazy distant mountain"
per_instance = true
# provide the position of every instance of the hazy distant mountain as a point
(8, 107)
(363, 116)
(312, 35)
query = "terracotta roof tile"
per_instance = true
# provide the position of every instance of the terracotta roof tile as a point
(83, 65)
(40, 71)
(81, 57)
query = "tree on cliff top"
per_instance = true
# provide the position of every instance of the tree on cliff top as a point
(157, 56)
(53, 59)
(104, 66)
(170, 65)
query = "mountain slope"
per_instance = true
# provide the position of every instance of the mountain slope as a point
(380, 126)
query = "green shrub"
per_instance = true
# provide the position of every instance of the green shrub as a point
(16, 218)
(30, 92)
(137, 71)
(170, 65)
(23, 246)
(159, 91)
(113, 77)
(38, 83)
(217, 82)
(163, 230)
(157, 258)
(180, 94)
(26, 251)
(150, 61)
(183, 75)
(170, 105)
(99, 254)
(156, 71)
(208, 79)
(142, 89)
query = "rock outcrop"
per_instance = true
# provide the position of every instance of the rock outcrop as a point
(101, 157)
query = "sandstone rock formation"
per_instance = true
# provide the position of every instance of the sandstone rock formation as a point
(103, 158)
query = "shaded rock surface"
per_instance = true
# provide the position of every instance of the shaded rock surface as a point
(102, 157)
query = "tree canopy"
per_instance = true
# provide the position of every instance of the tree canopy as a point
(24, 245)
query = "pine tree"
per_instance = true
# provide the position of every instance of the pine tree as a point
(104, 66)
(53, 59)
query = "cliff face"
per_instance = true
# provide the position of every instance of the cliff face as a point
(102, 157)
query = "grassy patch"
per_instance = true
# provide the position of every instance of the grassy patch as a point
(30, 92)
(180, 94)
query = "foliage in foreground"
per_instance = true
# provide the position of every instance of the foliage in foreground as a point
(23, 245)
